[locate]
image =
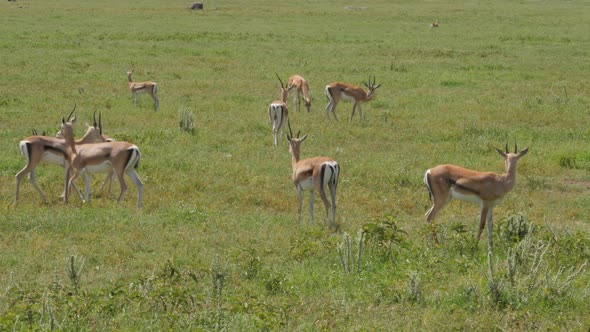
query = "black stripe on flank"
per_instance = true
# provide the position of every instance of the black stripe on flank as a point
(48, 148)
(454, 183)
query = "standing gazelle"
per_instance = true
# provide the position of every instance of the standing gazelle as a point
(51, 150)
(300, 85)
(313, 174)
(120, 157)
(277, 111)
(337, 90)
(139, 87)
(484, 188)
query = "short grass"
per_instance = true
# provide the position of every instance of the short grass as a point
(217, 247)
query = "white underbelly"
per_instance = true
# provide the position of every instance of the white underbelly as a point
(472, 198)
(54, 159)
(307, 184)
(104, 167)
(346, 97)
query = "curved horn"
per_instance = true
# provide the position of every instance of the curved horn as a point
(290, 131)
(282, 85)
(515, 147)
(100, 123)
(299, 132)
(507, 148)
(72, 112)
(94, 119)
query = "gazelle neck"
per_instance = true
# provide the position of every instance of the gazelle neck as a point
(510, 174)
(294, 155)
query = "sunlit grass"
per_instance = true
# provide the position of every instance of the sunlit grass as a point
(219, 202)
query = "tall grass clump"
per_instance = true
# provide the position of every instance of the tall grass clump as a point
(186, 121)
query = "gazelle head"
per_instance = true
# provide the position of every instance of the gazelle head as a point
(308, 103)
(284, 89)
(371, 87)
(93, 133)
(294, 142)
(129, 73)
(511, 158)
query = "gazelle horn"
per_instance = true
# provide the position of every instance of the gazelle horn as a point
(282, 85)
(290, 131)
(100, 123)
(70, 116)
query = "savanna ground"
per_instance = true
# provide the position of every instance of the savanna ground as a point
(217, 246)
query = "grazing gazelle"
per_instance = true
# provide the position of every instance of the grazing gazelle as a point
(313, 174)
(120, 157)
(50, 150)
(277, 111)
(484, 188)
(139, 87)
(434, 24)
(337, 90)
(300, 84)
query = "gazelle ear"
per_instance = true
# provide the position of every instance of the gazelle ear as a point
(523, 152)
(73, 120)
(502, 153)
(378, 85)
(303, 138)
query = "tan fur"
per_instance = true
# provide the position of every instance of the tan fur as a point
(310, 169)
(138, 87)
(278, 112)
(486, 188)
(337, 90)
(122, 156)
(39, 146)
(300, 85)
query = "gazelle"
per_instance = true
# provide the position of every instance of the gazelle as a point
(50, 150)
(109, 178)
(484, 188)
(278, 112)
(120, 157)
(434, 24)
(139, 87)
(313, 174)
(300, 84)
(337, 90)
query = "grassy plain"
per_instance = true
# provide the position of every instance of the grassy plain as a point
(217, 247)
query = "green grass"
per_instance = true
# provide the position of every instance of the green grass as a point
(217, 246)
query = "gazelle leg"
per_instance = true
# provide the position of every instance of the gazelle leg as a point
(138, 184)
(156, 102)
(360, 111)
(109, 180)
(333, 194)
(326, 204)
(483, 216)
(353, 109)
(74, 174)
(19, 176)
(121, 177)
(87, 187)
(489, 218)
(299, 204)
(311, 199)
